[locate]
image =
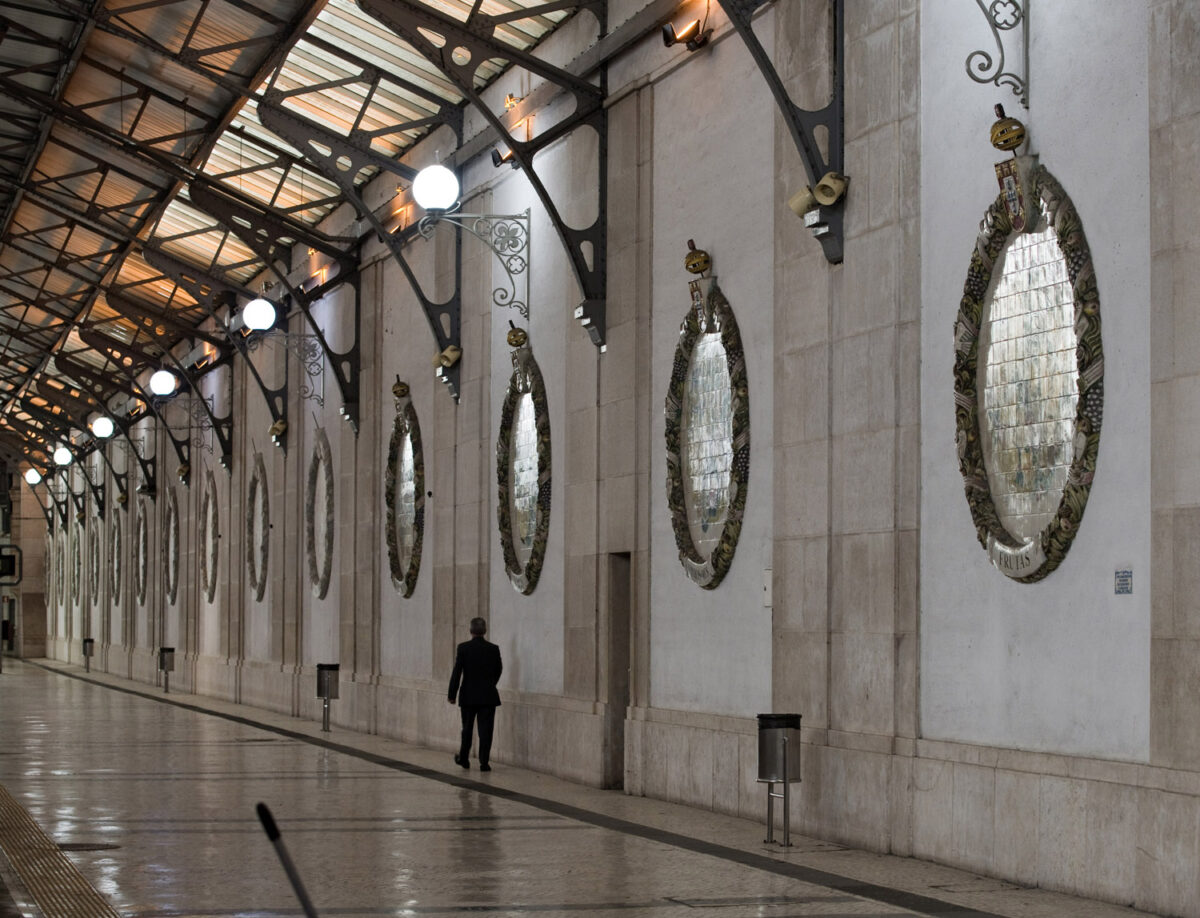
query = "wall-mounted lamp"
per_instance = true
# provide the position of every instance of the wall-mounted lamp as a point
(691, 35)
(62, 456)
(32, 476)
(511, 102)
(102, 427)
(499, 159)
(435, 188)
(277, 430)
(163, 382)
(259, 314)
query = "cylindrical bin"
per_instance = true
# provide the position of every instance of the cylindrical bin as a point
(327, 680)
(166, 659)
(88, 644)
(773, 729)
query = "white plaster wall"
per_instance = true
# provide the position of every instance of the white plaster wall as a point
(320, 628)
(713, 149)
(529, 629)
(256, 616)
(406, 624)
(1062, 665)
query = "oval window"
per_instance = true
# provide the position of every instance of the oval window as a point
(1029, 384)
(708, 437)
(404, 494)
(523, 472)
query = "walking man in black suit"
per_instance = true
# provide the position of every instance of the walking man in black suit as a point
(477, 666)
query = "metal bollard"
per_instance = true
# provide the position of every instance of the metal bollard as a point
(88, 643)
(166, 665)
(778, 762)
(327, 689)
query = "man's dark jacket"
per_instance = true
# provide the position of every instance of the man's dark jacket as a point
(477, 665)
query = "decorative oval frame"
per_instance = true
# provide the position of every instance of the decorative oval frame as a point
(94, 567)
(709, 573)
(76, 562)
(1048, 550)
(60, 568)
(258, 552)
(171, 548)
(142, 548)
(210, 535)
(114, 558)
(321, 461)
(404, 424)
(524, 579)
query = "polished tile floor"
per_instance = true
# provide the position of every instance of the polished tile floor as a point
(110, 786)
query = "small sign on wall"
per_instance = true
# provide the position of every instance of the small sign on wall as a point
(1123, 581)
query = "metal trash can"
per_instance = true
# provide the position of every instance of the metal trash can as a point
(773, 730)
(88, 644)
(778, 762)
(327, 680)
(327, 688)
(166, 666)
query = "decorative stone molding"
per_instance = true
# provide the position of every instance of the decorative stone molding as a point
(321, 464)
(258, 510)
(171, 547)
(1032, 561)
(142, 548)
(210, 535)
(114, 558)
(708, 312)
(525, 380)
(405, 429)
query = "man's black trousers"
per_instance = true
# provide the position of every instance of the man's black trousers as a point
(486, 714)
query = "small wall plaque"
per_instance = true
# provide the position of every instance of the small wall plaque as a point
(1122, 582)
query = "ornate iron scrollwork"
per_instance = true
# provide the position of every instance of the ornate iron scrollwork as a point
(1003, 17)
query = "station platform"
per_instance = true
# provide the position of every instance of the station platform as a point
(118, 799)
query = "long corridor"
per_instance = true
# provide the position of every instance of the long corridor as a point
(113, 788)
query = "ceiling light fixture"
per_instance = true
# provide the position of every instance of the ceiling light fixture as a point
(102, 427)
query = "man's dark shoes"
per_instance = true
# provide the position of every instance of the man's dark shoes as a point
(485, 767)
(459, 760)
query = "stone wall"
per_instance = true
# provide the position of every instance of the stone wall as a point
(1042, 733)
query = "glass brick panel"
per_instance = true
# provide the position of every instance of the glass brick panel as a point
(1028, 369)
(707, 442)
(524, 478)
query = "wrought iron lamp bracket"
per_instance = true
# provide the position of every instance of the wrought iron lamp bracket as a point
(261, 230)
(1005, 18)
(507, 236)
(801, 123)
(116, 352)
(310, 137)
(306, 348)
(585, 248)
(208, 291)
